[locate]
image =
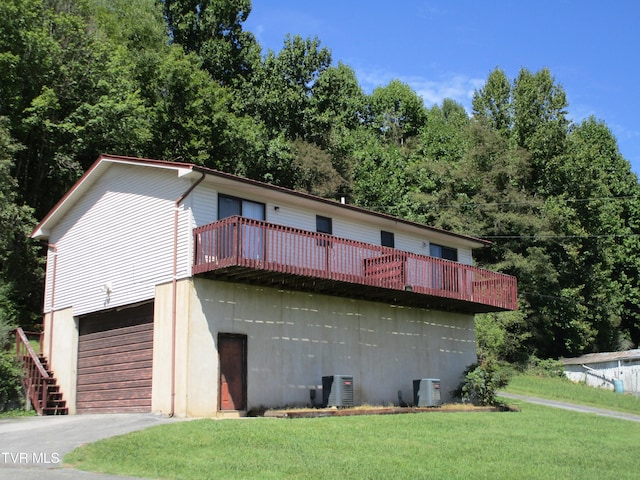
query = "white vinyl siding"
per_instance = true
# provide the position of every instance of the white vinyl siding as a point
(359, 231)
(48, 281)
(293, 215)
(204, 204)
(119, 235)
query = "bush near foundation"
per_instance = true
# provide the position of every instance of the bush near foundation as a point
(482, 380)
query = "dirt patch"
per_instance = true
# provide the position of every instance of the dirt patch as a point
(365, 410)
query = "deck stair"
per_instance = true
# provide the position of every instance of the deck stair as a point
(40, 384)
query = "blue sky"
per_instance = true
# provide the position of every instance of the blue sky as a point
(446, 49)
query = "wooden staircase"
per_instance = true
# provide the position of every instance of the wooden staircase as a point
(55, 404)
(39, 382)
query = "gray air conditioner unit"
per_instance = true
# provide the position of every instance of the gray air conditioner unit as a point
(337, 391)
(426, 392)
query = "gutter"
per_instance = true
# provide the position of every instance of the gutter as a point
(174, 288)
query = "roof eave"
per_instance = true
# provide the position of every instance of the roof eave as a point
(42, 231)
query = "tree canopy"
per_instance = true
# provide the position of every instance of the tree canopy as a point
(183, 80)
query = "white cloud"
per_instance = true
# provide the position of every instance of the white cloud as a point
(456, 87)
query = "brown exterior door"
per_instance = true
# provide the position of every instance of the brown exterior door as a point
(232, 350)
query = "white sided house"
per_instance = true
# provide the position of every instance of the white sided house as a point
(177, 289)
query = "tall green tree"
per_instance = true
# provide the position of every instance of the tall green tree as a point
(336, 104)
(282, 86)
(381, 177)
(213, 30)
(493, 102)
(397, 112)
(21, 268)
(72, 90)
(600, 264)
(540, 122)
(44, 73)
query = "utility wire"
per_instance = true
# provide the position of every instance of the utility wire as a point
(613, 235)
(530, 202)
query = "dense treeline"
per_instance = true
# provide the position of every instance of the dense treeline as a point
(182, 80)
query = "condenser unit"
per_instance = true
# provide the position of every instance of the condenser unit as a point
(337, 391)
(426, 392)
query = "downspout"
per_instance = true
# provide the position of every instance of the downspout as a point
(54, 250)
(174, 290)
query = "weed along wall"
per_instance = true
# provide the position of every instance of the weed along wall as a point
(293, 339)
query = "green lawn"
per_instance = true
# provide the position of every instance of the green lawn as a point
(564, 390)
(535, 443)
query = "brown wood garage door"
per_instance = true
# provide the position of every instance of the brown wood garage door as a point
(115, 351)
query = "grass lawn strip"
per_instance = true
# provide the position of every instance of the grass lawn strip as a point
(538, 442)
(563, 390)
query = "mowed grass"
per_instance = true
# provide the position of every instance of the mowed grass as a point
(561, 389)
(535, 443)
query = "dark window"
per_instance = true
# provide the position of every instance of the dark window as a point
(387, 239)
(324, 225)
(446, 253)
(252, 244)
(229, 206)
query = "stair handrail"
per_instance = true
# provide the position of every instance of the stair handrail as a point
(30, 351)
(37, 378)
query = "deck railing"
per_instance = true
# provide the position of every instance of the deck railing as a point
(242, 242)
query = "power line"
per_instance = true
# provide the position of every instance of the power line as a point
(532, 202)
(529, 237)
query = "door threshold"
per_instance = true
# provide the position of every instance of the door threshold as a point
(231, 414)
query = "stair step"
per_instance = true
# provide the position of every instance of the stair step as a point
(54, 404)
(55, 411)
(51, 388)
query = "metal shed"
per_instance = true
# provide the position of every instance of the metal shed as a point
(618, 371)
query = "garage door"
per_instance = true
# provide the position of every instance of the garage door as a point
(115, 351)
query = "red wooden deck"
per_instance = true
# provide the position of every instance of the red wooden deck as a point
(245, 250)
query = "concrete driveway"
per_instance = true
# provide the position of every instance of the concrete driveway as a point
(573, 407)
(33, 447)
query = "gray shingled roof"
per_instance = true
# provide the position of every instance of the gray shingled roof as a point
(603, 357)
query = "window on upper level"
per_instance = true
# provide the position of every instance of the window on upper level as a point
(387, 239)
(229, 206)
(440, 251)
(252, 244)
(324, 224)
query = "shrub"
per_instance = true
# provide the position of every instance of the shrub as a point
(546, 368)
(482, 380)
(10, 372)
(10, 388)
